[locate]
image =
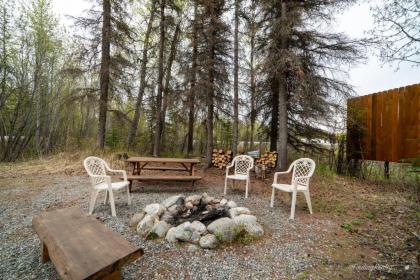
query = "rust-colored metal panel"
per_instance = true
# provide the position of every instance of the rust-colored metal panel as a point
(385, 126)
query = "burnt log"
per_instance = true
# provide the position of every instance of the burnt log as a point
(202, 215)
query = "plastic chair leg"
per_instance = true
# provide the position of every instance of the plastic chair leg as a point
(272, 197)
(128, 195)
(308, 200)
(292, 211)
(92, 202)
(112, 201)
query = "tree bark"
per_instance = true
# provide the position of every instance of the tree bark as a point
(253, 93)
(134, 125)
(210, 90)
(168, 77)
(274, 113)
(282, 105)
(235, 82)
(104, 72)
(156, 147)
(191, 96)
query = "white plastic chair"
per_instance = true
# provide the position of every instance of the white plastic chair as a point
(97, 170)
(243, 164)
(303, 169)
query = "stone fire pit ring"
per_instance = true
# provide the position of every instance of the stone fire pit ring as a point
(200, 220)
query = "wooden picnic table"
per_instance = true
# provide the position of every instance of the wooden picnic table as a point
(145, 163)
(81, 247)
(142, 163)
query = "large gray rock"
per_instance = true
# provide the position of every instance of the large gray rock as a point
(146, 224)
(233, 212)
(180, 233)
(231, 204)
(223, 229)
(192, 248)
(206, 199)
(198, 227)
(186, 226)
(223, 202)
(183, 234)
(189, 205)
(160, 229)
(137, 218)
(208, 241)
(171, 234)
(194, 199)
(195, 237)
(244, 219)
(173, 200)
(154, 208)
(254, 229)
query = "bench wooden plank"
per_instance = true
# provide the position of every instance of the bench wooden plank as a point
(162, 177)
(163, 160)
(80, 246)
(169, 168)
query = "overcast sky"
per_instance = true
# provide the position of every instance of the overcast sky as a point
(366, 78)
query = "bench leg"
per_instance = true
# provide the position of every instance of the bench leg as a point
(114, 275)
(45, 256)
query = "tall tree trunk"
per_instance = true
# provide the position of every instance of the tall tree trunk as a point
(191, 96)
(235, 82)
(253, 93)
(168, 77)
(156, 147)
(210, 90)
(104, 72)
(134, 124)
(282, 106)
(274, 113)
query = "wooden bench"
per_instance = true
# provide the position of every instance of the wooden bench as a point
(132, 178)
(82, 247)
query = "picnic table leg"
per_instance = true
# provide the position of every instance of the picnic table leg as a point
(114, 275)
(45, 256)
(192, 171)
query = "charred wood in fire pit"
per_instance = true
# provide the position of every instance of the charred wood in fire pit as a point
(202, 213)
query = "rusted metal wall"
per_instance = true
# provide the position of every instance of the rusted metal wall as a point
(384, 126)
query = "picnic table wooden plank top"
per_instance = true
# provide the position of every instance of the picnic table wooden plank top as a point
(80, 246)
(163, 177)
(163, 160)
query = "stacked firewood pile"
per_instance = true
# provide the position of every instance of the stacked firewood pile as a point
(220, 158)
(267, 160)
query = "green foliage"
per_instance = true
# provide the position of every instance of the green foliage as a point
(370, 215)
(242, 236)
(152, 236)
(218, 235)
(302, 276)
(346, 226)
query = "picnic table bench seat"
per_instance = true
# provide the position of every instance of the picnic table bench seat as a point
(81, 247)
(159, 177)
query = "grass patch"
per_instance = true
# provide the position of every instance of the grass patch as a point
(346, 227)
(152, 236)
(370, 215)
(242, 236)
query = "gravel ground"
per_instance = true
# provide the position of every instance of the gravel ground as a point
(283, 252)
